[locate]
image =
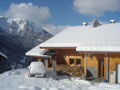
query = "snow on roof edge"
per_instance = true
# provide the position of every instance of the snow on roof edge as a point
(3, 55)
(37, 55)
(36, 51)
(97, 49)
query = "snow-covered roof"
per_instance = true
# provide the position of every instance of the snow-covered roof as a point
(104, 38)
(36, 51)
(3, 55)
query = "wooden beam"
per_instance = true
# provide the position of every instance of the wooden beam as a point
(60, 56)
(51, 60)
(85, 64)
(46, 63)
(102, 69)
(40, 59)
(91, 52)
(54, 64)
(75, 61)
(107, 76)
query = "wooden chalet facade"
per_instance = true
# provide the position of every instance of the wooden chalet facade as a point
(96, 49)
(95, 64)
(4, 65)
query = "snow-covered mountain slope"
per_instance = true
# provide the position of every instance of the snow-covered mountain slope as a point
(3, 23)
(20, 27)
(18, 36)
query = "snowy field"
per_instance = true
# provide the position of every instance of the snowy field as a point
(18, 80)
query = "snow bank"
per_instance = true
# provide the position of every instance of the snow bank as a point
(54, 88)
(12, 81)
(29, 87)
(83, 82)
(105, 86)
(15, 73)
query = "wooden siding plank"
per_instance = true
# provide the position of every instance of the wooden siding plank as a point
(85, 64)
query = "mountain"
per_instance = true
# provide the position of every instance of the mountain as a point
(18, 36)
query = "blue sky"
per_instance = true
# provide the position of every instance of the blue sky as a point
(63, 12)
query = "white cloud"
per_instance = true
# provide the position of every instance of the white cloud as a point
(96, 7)
(54, 29)
(38, 15)
(31, 12)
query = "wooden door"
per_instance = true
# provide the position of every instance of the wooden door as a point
(101, 68)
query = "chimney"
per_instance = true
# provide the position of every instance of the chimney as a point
(112, 21)
(96, 23)
(84, 23)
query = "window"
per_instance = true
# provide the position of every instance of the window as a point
(71, 61)
(34, 59)
(78, 61)
(75, 61)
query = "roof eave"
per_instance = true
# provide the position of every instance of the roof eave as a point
(99, 51)
(58, 47)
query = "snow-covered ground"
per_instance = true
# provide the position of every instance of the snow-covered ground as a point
(18, 80)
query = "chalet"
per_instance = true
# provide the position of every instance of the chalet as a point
(43, 55)
(4, 66)
(95, 47)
